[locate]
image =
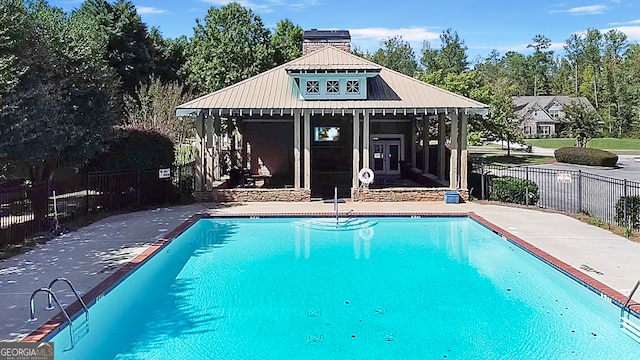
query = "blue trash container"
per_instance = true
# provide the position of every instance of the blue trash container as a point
(451, 197)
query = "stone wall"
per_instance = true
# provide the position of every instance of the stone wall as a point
(313, 45)
(403, 194)
(252, 195)
(301, 195)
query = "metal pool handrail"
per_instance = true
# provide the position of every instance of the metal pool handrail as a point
(626, 303)
(75, 292)
(32, 310)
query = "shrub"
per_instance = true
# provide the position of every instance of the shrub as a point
(475, 138)
(513, 190)
(586, 156)
(135, 149)
(633, 212)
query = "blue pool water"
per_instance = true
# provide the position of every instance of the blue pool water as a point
(381, 288)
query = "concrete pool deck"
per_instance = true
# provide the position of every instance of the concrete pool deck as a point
(90, 255)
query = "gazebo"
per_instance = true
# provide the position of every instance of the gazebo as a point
(317, 121)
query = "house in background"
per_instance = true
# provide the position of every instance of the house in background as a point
(542, 114)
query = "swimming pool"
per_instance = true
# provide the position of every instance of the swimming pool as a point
(379, 288)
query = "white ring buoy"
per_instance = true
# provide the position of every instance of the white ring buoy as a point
(365, 176)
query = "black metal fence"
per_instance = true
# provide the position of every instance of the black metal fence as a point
(28, 210)
(612, 200)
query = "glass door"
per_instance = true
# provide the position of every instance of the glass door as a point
(386, 157)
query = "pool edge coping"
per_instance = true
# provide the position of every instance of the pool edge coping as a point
(58, 321)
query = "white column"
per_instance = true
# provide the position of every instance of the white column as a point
(356, 150)
(464, 152)
(217, 148)
(307, 149)
(366, 136)
(414, 129)
(296, 149)
(243, 142)
(208, 156)
(200, 161)
(441, 148)
(425, 144)
(453, 165)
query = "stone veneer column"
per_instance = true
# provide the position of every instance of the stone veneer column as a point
(296, 149)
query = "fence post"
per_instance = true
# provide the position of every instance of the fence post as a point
(86, 206)
(625, 203)
(526, 185)
(483, 183)
(138, 187)
(579, 191)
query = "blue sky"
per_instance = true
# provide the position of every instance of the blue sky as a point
(506, 25)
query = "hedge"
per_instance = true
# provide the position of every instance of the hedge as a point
(633, 212)
(135, 149)
(586, 156)
(513, 190)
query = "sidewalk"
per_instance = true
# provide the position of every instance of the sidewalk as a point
(91, 254)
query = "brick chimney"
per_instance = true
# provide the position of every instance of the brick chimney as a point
(315, 39)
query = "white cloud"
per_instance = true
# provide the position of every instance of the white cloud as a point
(632, 22)
(244, 3)
(144, 10)
(632, 32)
(268, 6)
(584, 10)
(408, 34)
(521, 48)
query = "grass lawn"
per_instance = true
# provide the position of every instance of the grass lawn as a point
(492, 154)
(601, 143)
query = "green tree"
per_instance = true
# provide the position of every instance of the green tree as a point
(155, 111)
(451, 58)
(286, 42)
(396, 54)
(616, 82)
(582, 122)
(170, 57)
(503, 123)
(518, 72)
(229, 45)
(62, 106)
(540, 63)
(116, 33)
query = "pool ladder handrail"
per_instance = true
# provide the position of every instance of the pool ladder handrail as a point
(75, 292)
(51, 297)
(32, 310)
(626, 305)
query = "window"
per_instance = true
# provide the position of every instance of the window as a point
(544, 129)
(313, 86)
(333, 87)
(555, 113)
(353, 86)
